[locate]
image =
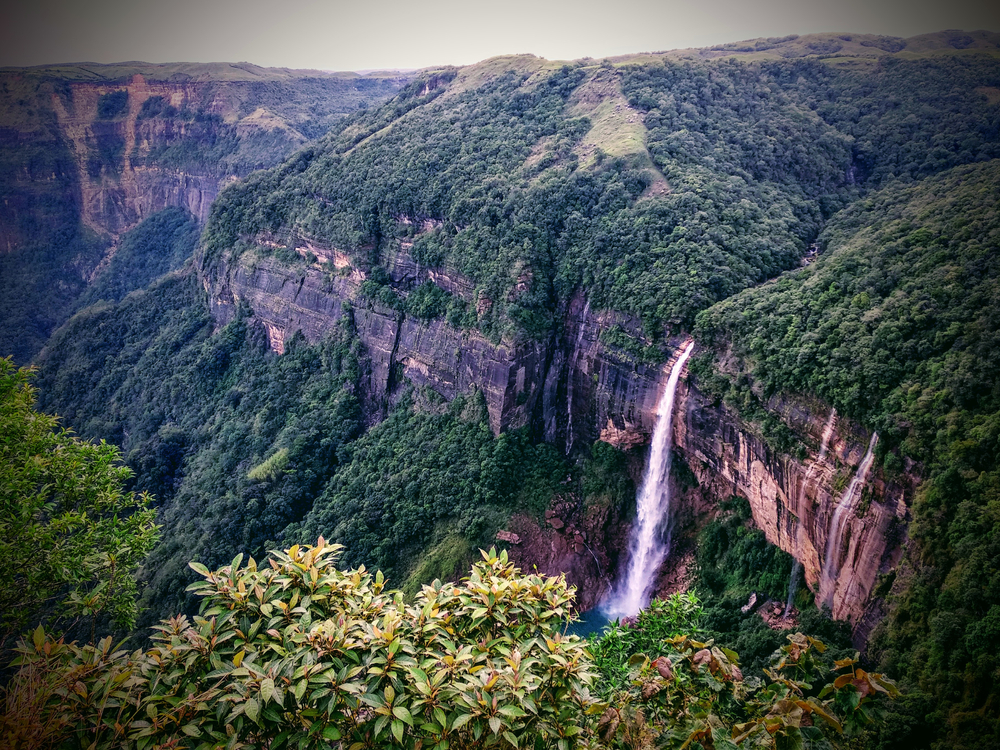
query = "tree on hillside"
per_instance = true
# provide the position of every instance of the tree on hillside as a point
(71, 537)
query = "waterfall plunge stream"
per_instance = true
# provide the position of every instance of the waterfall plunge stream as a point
(831, 565)
(650, 540)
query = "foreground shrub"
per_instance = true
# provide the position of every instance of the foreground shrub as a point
(299, 654)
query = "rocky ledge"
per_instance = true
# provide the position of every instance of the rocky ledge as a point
(582, 385)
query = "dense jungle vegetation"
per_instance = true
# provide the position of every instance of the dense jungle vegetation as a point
(898, 325)
(667, 190)
(500, 160)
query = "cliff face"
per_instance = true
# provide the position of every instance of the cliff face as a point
(793, 500)
(310, 298)
(575, 388)
(115, 192)
(144, 137)
(87, 152)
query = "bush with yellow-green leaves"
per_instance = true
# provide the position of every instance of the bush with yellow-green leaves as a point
(298, 654)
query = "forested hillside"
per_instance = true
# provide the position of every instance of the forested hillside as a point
(898, 324)
(549, 223)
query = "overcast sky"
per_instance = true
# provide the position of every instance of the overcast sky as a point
(337, 35)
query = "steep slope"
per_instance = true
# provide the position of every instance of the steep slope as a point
(530, 242)
(91, 150)
(896, 324)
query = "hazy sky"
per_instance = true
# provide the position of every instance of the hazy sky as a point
(337, 35)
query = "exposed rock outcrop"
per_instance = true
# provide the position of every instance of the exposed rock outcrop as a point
(308, 298)
(793, 500)
(577, 387)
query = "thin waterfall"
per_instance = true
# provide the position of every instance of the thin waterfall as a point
(824, 446)
(831, 566)
(569, 377)
(793, 585)
(650, 540)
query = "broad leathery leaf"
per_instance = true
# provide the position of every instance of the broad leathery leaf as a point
(331, 733)
(252, 709)
(266, 690)
(461, 720)
(199, 568)
(38, 638)
(844, 679)
(402, 714)
(820, 710)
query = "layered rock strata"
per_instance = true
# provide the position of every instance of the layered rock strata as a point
(575, 388)
(792, 499)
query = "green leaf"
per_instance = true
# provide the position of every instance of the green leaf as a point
(397, 728)
(266, 689)
(402, 714)
(252, 709)
(38, 638)
(332, 733)
(199, 568)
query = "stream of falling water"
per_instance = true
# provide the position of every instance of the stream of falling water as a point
(824, 446)
(831, 567)
(569, 377)
(650, 540)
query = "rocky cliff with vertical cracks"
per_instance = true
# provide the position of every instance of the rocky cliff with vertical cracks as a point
(583, 384)
(121, 142)
(118, 192)
(793, 499)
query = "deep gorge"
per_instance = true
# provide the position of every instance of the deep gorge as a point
(445, 322)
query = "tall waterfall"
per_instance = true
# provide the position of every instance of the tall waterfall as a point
(569, 377)
(824, 446)
(831, 564)
(793, 585)
(650, 540)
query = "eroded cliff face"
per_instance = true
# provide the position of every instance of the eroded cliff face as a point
(120, 190)
(575, 388)
(121, 142)
(793, 499)
(310, 297)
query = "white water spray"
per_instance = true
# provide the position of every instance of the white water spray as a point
(824, 446)
(831, 565)
(650, 542)
(569, 378)
(793, 585)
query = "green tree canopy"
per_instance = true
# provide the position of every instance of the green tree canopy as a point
(71, 537)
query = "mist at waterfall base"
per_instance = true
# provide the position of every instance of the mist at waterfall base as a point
(650, 539)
